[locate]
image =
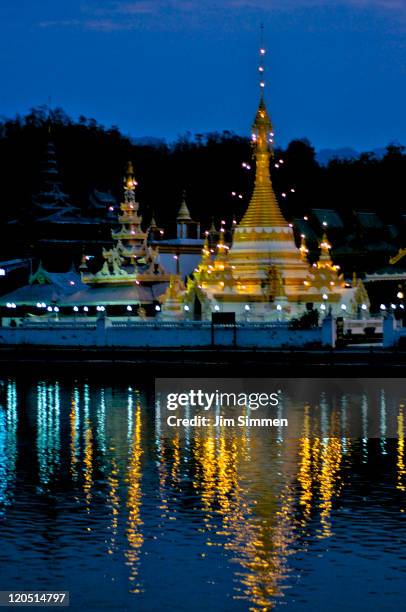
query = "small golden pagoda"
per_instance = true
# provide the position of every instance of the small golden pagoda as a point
(131, 239)
(324, 277)
(131, 279)
(172, 300)
(215, 272)
(130, 259)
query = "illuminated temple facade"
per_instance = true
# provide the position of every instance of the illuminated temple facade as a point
(263, 274)
(259, 274)
(131, 275)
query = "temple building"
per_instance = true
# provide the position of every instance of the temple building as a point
(42, 295)
(130, 282)
(54, 230)
(387, 285)
(131, 278)
(253, 270)
(263, 274)
(180, 255)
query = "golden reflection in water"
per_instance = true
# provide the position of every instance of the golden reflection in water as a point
(261, 539)
(400, 485)
(163, 476)
(329, 481)
(305, 467)
(255, 521)
(135, 537)
(204, 482)
(266, 553)
(88, 464)
(176, 458)
(114, 504)
(259, 544)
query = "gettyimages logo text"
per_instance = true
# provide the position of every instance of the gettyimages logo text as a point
(204, 400)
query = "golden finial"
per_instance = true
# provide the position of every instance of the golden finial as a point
(206, 247)
(129, 180)
(325, 246)
(221, 244)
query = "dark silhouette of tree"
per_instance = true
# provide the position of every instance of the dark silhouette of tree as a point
(207, 166)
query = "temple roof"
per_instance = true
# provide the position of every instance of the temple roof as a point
(183, 213)
(105, 295)
(179, 241)
(62, 280)
(368, 220)
(45, 287)
(29, 295)
(65, 216)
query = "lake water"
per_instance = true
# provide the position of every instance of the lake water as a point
(98, 500)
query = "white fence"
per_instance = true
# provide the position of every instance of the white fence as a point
(159, 334)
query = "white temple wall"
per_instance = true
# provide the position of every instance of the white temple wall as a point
(161, 336)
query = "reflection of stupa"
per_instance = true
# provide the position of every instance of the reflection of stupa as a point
(263, 271)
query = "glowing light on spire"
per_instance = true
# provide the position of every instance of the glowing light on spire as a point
(261, 67)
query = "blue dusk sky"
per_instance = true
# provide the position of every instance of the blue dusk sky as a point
(335, 68)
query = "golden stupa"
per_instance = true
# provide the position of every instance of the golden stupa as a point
(263, 240)
(263, 272)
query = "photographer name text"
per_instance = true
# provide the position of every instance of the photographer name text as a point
(217, 401)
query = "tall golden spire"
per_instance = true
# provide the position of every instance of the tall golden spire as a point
(263, 209)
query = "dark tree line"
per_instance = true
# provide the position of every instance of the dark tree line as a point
(208, 167)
